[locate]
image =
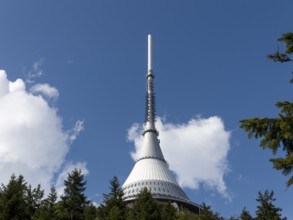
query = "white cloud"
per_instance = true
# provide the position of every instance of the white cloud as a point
(196, 151)
(35, 72)
(32, 140)
(45, 89)
(74, 132)
(18, 85)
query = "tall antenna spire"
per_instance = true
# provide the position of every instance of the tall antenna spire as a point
(151, 169)
(150, 96)
(149, 52)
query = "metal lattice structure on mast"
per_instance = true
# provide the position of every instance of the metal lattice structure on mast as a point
(151, 169)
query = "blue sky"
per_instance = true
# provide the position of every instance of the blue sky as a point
(209, 58)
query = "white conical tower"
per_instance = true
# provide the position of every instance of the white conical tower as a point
(150, 169)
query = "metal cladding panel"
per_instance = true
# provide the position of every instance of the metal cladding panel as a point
(150, 169)
(154, 174)
(158, 189)
(151, 147)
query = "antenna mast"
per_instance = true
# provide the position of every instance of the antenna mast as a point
(150, 96)
(149, 52)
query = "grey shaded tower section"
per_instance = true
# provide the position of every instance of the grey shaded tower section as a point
(151, 169)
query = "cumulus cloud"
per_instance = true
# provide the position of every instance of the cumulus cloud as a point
(196, 151)
(32, 140)
(45, 89)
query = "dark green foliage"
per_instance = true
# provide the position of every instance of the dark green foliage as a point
(186, 215)
(167, 211)
(34, 199)
(90, 212)
(288, 39)
(114, 207)
(207, 214)
(47, 210)
(284, 57)
(73, 201)
(13, 204)
(245, 215)
(266, 210)
(144, 207)
(277, 132)
(20, 202)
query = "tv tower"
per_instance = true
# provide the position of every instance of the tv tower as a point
(151, 169)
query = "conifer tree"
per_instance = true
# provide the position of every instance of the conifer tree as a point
(266, 210)
(277, 132)
(206, 213)
(144, 207)
(73, 201)
(47, 211)
(186, 215)
(34, 199)
(113, 206)
(245, 215)
(167, 211)
(13, 199)
(90, 212)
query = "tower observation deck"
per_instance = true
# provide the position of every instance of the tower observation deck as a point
(151, 170)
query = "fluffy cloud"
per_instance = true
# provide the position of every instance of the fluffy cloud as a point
(32, 140)
(196, 151)
(45, 89)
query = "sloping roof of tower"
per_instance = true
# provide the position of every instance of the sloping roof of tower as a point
(151, 169)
